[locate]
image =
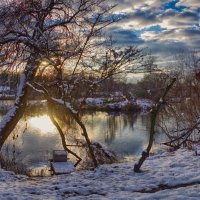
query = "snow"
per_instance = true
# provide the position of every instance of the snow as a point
(95, 101)
(66, 104)
(60, 152)
(123, 103)
(20, 88)
(145, 104)
(9, 115)
(165, 175)
(37, 90)
(120, 104)
(7, 96)
(4, 88)
(196, 148)
(5, 93)
(63, 167)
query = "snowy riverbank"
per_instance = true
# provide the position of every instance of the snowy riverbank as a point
(120, 104)
(94, 104)
(166, 175)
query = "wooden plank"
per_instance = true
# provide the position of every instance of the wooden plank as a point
(59, 156)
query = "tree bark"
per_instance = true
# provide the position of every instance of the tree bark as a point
(85, 134)
(74, 115)
(64, 144)
(13, 116)
(154, 114)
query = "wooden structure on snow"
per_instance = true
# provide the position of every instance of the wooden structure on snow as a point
(60, 163)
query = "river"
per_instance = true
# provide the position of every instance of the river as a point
(35, 136)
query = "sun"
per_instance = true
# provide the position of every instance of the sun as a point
(43, 123)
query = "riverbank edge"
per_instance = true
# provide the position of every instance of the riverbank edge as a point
(165, 175)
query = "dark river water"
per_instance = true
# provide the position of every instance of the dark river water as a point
(35, 136)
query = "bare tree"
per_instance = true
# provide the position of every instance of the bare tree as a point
(62, 38)
(183, 111)
(154, 115)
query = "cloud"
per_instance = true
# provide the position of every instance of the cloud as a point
(167, 43)
(138, 20)
(165, 27)
(174, 19)
(193, 4)
(130, 5)
(189, 37)
(124, 37)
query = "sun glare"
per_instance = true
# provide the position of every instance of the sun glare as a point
(43, 123)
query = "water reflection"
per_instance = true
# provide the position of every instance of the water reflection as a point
(125, 134)
(122, 133)
(43, 123)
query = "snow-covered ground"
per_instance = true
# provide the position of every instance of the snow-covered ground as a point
(4, 88)
(166, 175)
(145, 104)
(7, 96)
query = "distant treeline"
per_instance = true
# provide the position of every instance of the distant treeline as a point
(106, 88)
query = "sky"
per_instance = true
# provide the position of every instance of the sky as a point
(166, 27)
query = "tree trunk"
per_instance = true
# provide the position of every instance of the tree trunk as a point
(85, 134)
(64, 144)
(154, 114)
(13, 116)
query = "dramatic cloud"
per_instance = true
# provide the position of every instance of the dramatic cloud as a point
(139, 19)
(164, 26)
(130, 5)
(124, 37)
(193, 4)
(174, 19)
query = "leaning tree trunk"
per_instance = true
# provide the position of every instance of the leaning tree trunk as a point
(13, 116)
(64, 144)
(85, 134)
(51, 103)
(154, 113)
